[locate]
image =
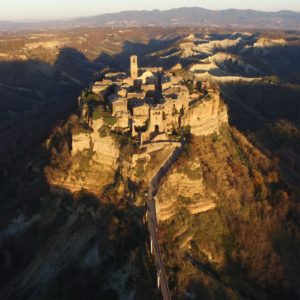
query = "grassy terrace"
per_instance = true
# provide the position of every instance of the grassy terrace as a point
(109, 120)
(100, 112)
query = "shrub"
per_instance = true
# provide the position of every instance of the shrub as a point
(99, 113)
(140, 168)
(190, 86)
(111, 121)
(89, 97)
(103, 131)
(184, 200)
(123, 140)
(214, 137)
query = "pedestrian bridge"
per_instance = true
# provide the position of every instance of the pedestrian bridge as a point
(162, 282)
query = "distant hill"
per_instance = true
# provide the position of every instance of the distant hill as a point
(193, 16)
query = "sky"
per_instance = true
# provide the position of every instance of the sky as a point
(57, 9)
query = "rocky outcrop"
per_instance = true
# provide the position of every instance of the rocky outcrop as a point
(94, 162)
(263, 46)
(207, 116)
(224, 79)
(223, 63)
(183, 189)
(189, 48)
(267, 42)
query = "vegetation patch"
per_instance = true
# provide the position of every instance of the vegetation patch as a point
(192, 174)
(89, 97)
(100, 112)
(140, 167)
(214, 137)
(109, 120)
(185, 200)
(84, 158)
(104, 131)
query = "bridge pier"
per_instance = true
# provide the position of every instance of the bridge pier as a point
(151, 245)
(162, 282)
(145, 218)
(158, 279)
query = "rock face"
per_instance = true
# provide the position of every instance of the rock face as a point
(184, 189)
(181, 192)
(206, 117)
(267, 42)
(233, 174)
(190, 48)
(212, 45)
(94, 162)
(224, 64)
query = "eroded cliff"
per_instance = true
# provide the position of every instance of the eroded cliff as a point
(93, 162)
(207, 116)
(217, 229)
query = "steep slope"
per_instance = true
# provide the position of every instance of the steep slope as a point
(89, 243)
(243, 243)
(75, 247)
(42, 73)
(93, 162)
(228, 209)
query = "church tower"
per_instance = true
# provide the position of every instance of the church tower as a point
(134, 67)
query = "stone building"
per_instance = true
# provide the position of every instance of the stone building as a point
(141, 115)
(156, 120)
(154, 101)
(98, 87)
(134, 67)
(119, 107)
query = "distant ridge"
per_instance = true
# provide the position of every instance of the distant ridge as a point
(185, 16)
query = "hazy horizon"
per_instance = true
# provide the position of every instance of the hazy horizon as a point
(34, 10)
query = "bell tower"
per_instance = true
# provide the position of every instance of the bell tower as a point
(134, 67)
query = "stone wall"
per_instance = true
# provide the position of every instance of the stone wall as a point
(142, 110)
(119, 106)
(156, 119)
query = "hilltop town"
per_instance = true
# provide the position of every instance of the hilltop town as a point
(151, 108)
(149, 162)
(152, 103)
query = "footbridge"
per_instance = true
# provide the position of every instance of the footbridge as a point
(154, 182)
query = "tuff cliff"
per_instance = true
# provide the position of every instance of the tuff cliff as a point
(93, 161)
(184, 189)
(217, 209)
(78, 230)
(219, 199)
(207, 116)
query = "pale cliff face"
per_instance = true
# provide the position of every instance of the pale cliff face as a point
(183, 191)
(268, 42)
(207, 116)
(190, 48)
(94, 162)
(208, 189)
